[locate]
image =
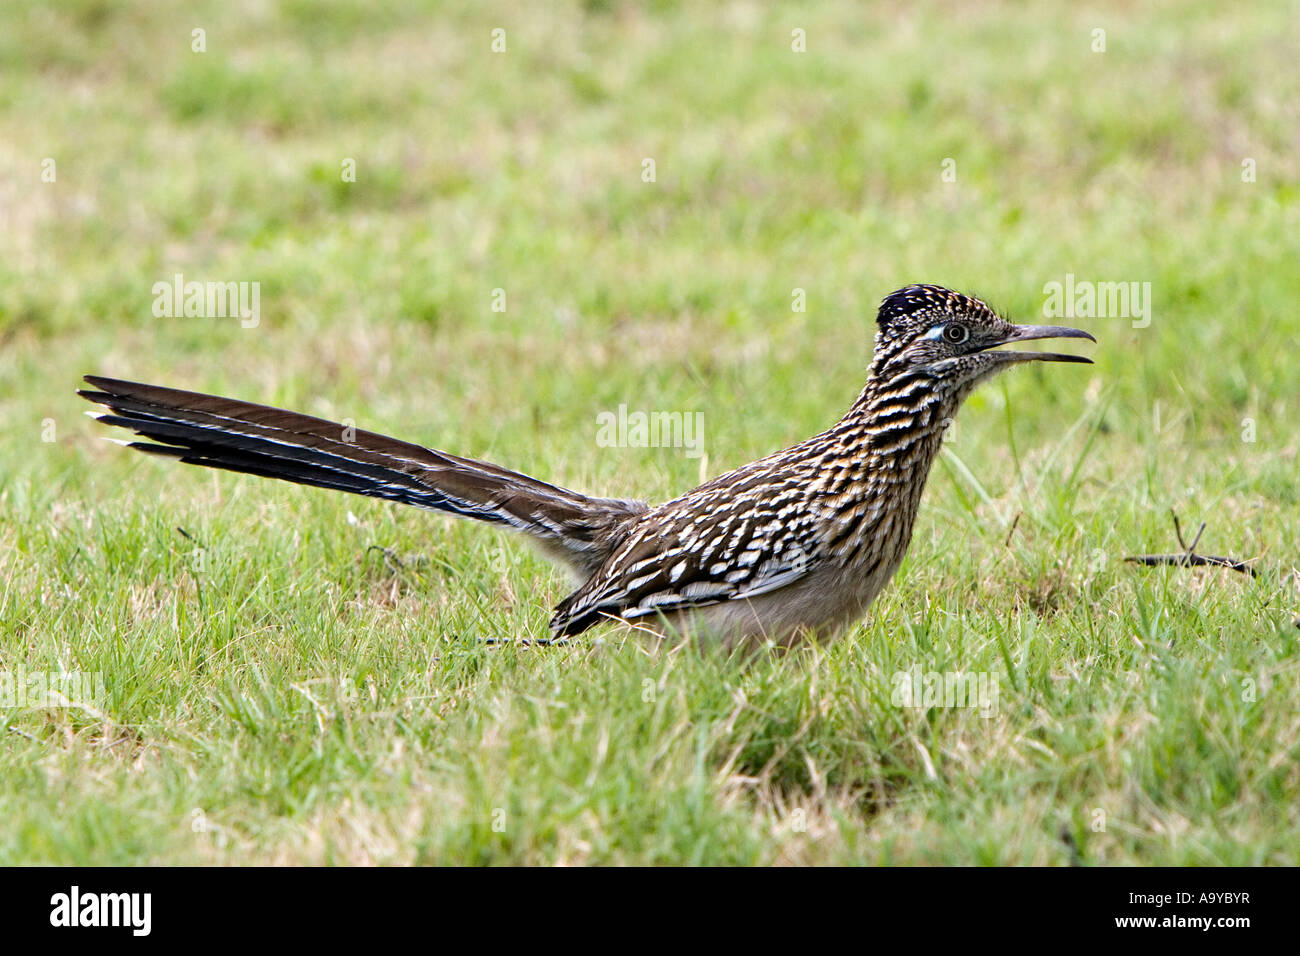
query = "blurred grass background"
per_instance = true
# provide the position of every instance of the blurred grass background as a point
(285, 695)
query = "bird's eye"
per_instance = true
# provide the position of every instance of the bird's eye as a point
(956, 333)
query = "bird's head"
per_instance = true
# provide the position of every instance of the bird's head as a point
(953, 339)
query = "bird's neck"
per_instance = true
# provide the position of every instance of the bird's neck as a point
(891, 436)
(901, 421)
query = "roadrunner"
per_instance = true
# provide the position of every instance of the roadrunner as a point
(796, 543)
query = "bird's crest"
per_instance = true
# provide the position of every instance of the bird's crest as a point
(899, 309)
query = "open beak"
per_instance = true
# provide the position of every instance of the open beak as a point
(1023, 333)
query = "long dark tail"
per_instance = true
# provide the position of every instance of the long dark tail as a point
(259, 440)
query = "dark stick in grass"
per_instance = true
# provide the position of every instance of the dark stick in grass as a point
(1189, 557)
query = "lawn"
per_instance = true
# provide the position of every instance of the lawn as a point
(466, 248)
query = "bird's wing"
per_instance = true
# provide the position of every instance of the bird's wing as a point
(697, 551)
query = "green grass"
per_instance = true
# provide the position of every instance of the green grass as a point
(277, 692)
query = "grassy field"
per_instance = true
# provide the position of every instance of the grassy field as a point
(277, 689)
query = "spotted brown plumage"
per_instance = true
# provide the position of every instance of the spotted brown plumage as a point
(798, 542)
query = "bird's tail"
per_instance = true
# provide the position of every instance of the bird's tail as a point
(259, 440)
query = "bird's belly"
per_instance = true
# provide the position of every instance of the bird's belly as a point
(820, 605)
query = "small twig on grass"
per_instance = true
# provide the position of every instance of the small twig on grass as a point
(391, 560)
(1178, 530)
(1012, 530)
(1189, 557)
(523, 641)
(1191, 560)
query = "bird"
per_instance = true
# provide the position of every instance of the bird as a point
(790, 547)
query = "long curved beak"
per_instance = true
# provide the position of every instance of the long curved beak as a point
(1023, 333)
